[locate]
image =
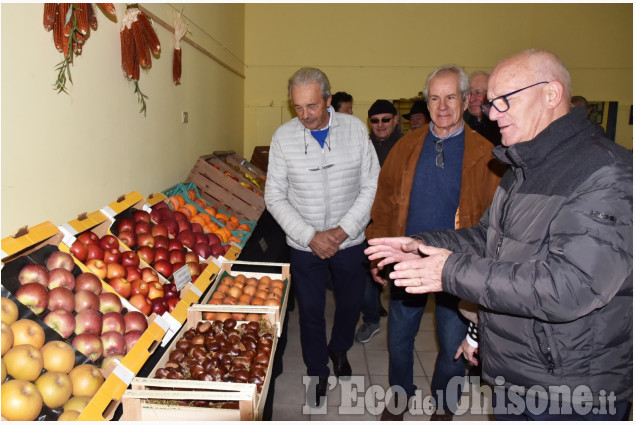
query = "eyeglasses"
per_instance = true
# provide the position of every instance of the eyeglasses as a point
(385, 120)
(501, 104)
(438, 145)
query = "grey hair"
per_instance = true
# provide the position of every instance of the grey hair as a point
(477, 73)
(304, 76)
(464, 81)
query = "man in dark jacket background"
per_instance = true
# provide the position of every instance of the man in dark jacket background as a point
(551, 260)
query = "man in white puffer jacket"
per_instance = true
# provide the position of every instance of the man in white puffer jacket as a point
(321, 183)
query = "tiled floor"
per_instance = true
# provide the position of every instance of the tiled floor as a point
(369, 361)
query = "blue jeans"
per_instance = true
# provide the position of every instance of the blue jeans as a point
(348, 268)
(404, 318)
(371, 304)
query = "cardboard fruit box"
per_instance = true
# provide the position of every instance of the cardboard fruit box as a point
(183, 399)
(220, 184)
(255, 271)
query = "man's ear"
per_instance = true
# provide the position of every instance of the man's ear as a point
(328, 101)
(554, 93)
(467, 101)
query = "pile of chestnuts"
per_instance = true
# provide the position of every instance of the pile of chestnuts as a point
(221, 351)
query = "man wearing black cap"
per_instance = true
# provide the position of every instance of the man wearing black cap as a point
(418, 115)
(384, 133)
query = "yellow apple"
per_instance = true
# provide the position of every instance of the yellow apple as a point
(58, 356)
(21, 400)
(24, 362)
(86, 380)
(69, 415)
(4, 370)
(56, 388)
(26, 331)
(77, 404)
(7, 338)
(9, 311)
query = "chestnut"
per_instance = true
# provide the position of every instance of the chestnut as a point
(205, 377)
(250, 354)
(189, 334)
(262, 359)
(161, 373)
(253, 326)
(211, 345)
(242, 375)
(197, 352)
(182, 344)
(175, 375)
(196, 370)
(233, 339)
(227, 361)
(258, 380)
(249, 344)
(177, 355)
(172, 365)
(258, 370)
(229, 324)
(198, 339)
(264, 349)
(204, 328)
(217, 326)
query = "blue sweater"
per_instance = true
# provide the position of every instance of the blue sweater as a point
(435, 193)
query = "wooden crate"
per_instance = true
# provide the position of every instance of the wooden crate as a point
(242, 165)
(242, 267)
(260, 157)
(218, 188)
(136, 404)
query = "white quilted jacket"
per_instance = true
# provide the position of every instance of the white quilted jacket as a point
(311, 189)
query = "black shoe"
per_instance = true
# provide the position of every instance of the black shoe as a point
(382, 311)
(341, 367)
(386, 415)
(320, 391)
(441, 416)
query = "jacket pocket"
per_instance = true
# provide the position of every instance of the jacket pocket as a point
(546, 345)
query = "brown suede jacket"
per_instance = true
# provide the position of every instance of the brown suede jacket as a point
(480, 178)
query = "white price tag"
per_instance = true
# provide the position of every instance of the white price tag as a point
(219, 261)
(146, 207)
(175, 325)
(182, 277)
(108, 212)
(123, 373)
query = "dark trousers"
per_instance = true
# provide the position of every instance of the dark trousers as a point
(309, 273)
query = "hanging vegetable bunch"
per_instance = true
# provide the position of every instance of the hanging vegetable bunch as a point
(180, 28)
(139, 42)
(71, 24)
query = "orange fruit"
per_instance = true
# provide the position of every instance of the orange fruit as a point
(211, 210)
(243, 226)
(180, 199)
(222, 216)
(235, 239)
(187, 212)
(234, 220)
(231, 225)
(200, 202)
(192, 208)
(191, 194)
(198, 219)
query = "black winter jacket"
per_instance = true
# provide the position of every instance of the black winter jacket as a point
(551, 263)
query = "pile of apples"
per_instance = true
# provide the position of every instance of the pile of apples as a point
(191, 235)
(125, 273)
(153, 245)
(77, 309)
(240, 290)
(38, 374)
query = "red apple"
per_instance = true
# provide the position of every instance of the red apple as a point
(175, 244)
(60, 259)
(155, 290)
(179, 216)
(61, 298)
(79, 250)
(61, 321)
(164, 267)
(139, 287)
(161, 254)
(191, 256)
(108, 242)
(113, 343)
(95, 252)
(146, 253)
(131, 338)
(112, 255)
(61, 277)
(109, 302)
(88, 238)
(88, 321)
(195, 269)
(135, 321)
(203, 250)
(172, 225)
(177, 266)
(142, 227)
(145, 239)
(130, 258)
(159, 230)
(89, 345)
(121, 286)
(155, 215)
(129, 238)
(113, 321)
(141, 216)
(161, 242)
(115, 270)
(141, 303)
(170, 291)
(184, 225)
(33, 296)
(187, 237)
(213, 239)
(133, 273)
(149, 275)
(34, 273)
(85, 300)
(89, 282)
(161, 206)
(176, 256)
(125, 224)
(159, 306)
(172, 303)
(197, 228)
(218, 250)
